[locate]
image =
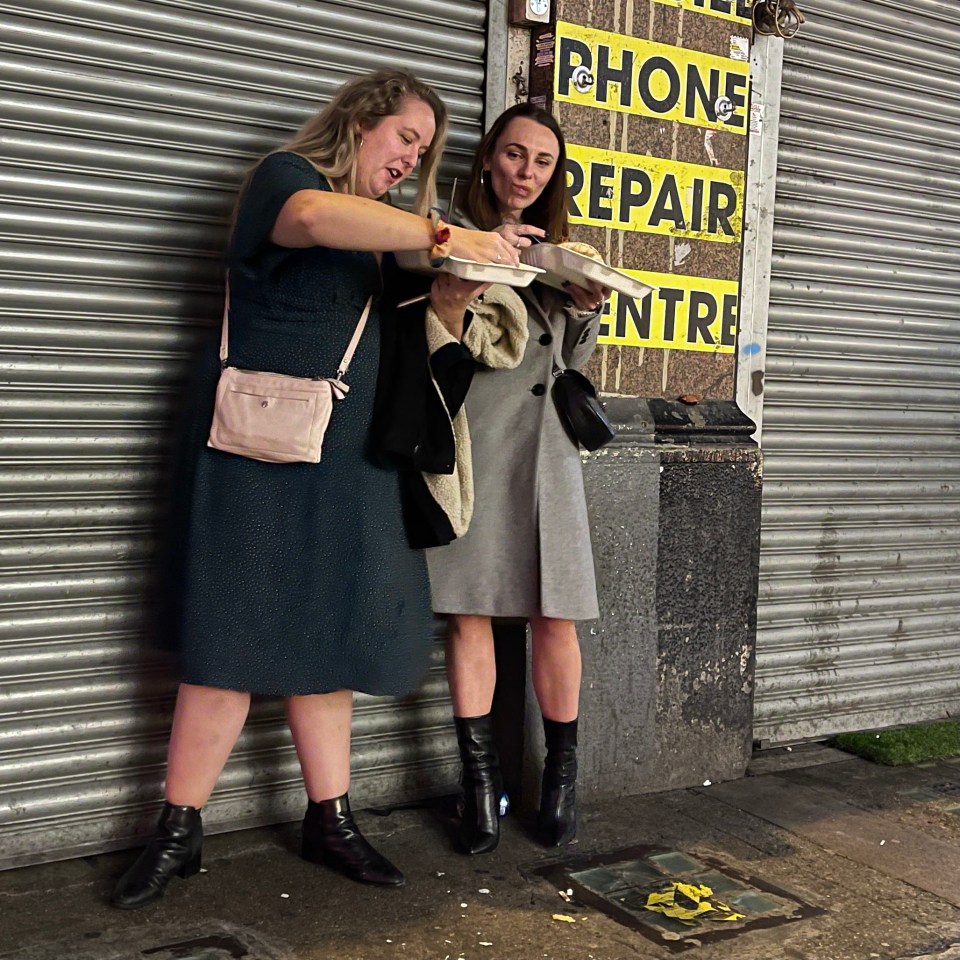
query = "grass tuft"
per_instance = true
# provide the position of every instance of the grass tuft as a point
(924, 741)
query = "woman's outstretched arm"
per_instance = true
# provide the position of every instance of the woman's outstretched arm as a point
(316, 218)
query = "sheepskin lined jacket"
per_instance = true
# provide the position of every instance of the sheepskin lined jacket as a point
(417, 402)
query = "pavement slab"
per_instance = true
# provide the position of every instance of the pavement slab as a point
(811, 832)
(874, 839)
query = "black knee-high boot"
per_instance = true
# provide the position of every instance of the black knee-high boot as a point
(331, 837)
(481, 784)
(174, 850)
(557, 822)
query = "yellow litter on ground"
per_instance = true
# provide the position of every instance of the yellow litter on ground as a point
(688, 903)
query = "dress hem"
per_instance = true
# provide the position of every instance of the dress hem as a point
(261, 692)
(579, 618)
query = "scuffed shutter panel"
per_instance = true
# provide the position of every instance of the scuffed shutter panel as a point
(126, 129)
(859, 615)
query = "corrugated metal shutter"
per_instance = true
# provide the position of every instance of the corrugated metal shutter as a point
(859, 614)
(127, 126)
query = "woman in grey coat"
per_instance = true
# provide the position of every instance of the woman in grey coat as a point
(527, 552)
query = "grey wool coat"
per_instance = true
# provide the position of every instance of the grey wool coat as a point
(527, 551)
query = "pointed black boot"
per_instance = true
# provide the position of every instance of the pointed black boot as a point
(174, 850)
(481, 785)
(557, 823)
(331, 837)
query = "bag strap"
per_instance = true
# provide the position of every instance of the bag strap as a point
(355, 339)
(533, 300)
(558, 366)
(223, 325)
(347, 357)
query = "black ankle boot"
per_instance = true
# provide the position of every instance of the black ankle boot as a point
(557, 822)
(331, 837)
(481, 785)
(175, 849)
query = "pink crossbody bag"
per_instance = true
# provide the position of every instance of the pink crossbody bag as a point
(275, 417)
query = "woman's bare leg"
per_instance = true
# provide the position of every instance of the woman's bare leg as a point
(320, 724)
(206, 724)
(471, 664)
(557, 668)
(472, 674)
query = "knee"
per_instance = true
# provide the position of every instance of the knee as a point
(553, 633)
(470, 633)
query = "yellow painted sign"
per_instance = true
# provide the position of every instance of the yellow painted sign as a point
(626, 191)
(737, 10)
(595, 68)
(682, 313)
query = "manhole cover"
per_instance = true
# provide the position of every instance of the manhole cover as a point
(213, 942)
(944, 950)
(217, 947)
(620, 884)
(949, 787)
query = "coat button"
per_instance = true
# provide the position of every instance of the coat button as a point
(538, 389)
(546, 339)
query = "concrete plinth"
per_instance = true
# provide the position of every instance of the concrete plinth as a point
(707, 563)
(667, 695)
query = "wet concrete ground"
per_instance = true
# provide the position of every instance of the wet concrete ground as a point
(829, 858)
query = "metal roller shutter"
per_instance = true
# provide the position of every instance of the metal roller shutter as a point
(859, 614)
(127, 126)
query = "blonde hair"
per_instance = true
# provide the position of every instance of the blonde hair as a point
(331, 138)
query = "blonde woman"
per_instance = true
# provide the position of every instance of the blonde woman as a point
(295, 580)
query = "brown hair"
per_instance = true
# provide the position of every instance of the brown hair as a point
(549, 210)
(330, 139)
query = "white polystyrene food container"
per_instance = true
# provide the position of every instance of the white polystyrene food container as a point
(562, 265)
(418, 261)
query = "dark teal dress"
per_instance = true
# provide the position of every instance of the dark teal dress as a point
(296, 578)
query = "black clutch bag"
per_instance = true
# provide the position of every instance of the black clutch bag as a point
(580, 410)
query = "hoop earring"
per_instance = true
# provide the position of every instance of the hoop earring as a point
(361, 143)
(483, 182)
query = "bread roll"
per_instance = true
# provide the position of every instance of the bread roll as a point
(584, 248)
